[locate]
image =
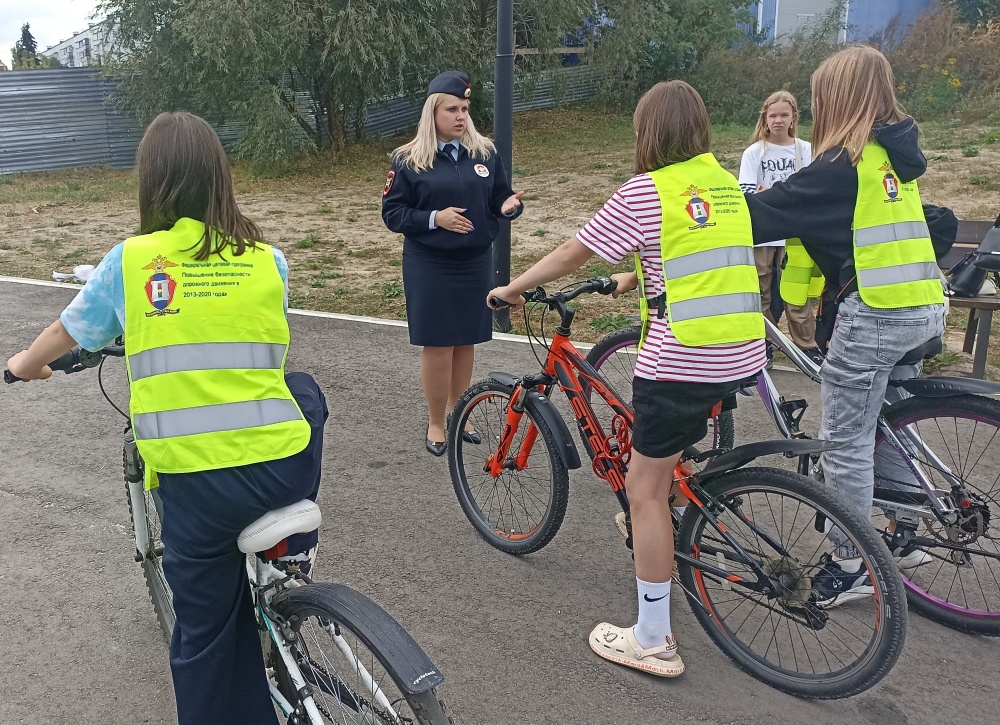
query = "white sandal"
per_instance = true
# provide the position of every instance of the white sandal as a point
(618, 645)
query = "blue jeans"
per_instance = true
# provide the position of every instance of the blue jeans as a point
(865, 347)
(215, 653)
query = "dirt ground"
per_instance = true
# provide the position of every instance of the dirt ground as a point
(342, 258)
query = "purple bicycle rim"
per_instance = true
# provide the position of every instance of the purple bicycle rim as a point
(937, 601)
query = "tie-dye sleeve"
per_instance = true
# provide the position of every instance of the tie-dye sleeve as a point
(96, 316)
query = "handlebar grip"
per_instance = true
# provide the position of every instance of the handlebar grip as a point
(66, 361)
(498, 304)
(8, 377)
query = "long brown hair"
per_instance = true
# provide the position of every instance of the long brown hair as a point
(852, 91)
(761, 132)
(183, 172)
(671, 125)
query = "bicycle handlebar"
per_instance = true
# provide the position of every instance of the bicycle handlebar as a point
(600, 285)
(75, 360)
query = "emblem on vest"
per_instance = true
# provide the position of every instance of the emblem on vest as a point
(160, 287)
(890, 183)
(697, 208)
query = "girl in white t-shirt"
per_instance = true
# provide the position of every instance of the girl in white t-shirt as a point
(775, 154)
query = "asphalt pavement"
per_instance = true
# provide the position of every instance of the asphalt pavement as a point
(79, 643)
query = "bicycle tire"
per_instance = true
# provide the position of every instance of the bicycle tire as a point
(945, 590)
(152, 561)
(618, 374)
(376, 640)
(485, 405)
(884, 614)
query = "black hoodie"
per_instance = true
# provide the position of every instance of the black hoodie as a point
(817, 204)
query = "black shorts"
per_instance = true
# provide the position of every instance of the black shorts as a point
(669, 416)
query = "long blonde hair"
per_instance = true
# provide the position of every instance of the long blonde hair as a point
(419, 153)
(762, 132)
(852, 91)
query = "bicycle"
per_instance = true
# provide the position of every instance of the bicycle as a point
(747, 546)
(331, 654)
(935, 470)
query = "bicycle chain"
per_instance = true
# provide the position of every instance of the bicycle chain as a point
(383, 716)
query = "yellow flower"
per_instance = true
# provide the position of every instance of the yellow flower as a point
(952, 61)
(955, 82)
(901, 88)
(923, 65)
(944, 71)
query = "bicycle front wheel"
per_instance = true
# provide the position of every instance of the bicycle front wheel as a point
(614, 358)
(792, 639)
(359, 663)
(522, 508)
(152, 559)
(955, 580)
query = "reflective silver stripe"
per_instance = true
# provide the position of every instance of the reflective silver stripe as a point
(894, 232)
(898, 274)
(214, 418)
(715, 305)
(206, 356)
(706, 260)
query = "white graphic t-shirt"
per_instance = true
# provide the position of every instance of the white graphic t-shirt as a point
(765, 164)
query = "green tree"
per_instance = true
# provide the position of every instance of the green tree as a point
(975, 12)
(25, 53)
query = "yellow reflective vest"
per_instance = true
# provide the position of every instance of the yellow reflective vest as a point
(706, 244)
(205, 346)
(893, 254)
(800, 275)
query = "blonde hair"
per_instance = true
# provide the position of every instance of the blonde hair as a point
(671, 125)
(761, 132)
(419, 153)
(852, 91)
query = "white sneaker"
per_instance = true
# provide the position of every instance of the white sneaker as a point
(910, 557)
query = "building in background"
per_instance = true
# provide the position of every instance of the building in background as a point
(86, 48)
(866, 19)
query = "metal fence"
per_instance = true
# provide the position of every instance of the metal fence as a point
(60, 119)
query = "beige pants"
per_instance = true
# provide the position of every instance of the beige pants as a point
(801, 320)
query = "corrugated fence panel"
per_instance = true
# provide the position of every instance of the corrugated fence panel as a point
(57, 119)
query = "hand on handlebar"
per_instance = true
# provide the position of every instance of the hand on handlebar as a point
(505, 294)
(626, 282)
(19, 366)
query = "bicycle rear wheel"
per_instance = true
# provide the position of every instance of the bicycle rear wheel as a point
(614, 358)
(957, 585)
(787, 640)
(152, 559)
(520, 510)
(360, 664)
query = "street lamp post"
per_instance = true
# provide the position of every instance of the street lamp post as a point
(503, 137)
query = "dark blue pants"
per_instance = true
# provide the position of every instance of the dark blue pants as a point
(215, 653)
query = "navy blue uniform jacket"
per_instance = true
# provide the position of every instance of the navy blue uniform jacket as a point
(480, 186)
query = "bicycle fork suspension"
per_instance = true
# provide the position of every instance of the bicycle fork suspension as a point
(501, 460)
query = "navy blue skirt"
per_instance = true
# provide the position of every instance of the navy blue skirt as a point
(446, 297)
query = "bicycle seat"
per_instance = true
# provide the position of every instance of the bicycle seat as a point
(928, 349)
(272, 527)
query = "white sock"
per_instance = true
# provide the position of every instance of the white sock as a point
(654, 613)
(679, 510)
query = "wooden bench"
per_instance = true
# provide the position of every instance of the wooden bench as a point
(977, 331)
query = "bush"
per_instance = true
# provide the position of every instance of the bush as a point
(944, 67)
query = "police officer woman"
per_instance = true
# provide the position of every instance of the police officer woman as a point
(446, 193)
(685, 214)
(857, 210)
(224, 432)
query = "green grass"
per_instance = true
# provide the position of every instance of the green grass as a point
(392, 290)
(309, 242)
(609, 323)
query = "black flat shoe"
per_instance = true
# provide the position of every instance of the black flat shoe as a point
(471, 436)
(435, 449)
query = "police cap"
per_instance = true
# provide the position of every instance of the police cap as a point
(452, 82)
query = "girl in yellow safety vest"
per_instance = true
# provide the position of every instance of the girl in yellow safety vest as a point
(200, 300)
(857, 210)
(680, 209)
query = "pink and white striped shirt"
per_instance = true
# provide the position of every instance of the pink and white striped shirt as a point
(630, 222)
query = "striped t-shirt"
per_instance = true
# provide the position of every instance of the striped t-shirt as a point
(630, 222)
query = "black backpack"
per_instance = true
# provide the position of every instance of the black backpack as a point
(968, 276)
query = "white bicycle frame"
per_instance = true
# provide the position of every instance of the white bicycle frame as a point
(263, 576)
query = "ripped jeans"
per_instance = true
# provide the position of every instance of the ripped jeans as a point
(864, 349)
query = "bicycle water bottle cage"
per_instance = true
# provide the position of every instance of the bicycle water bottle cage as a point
(793, 410)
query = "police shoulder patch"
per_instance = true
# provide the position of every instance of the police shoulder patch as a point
(389, 178)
